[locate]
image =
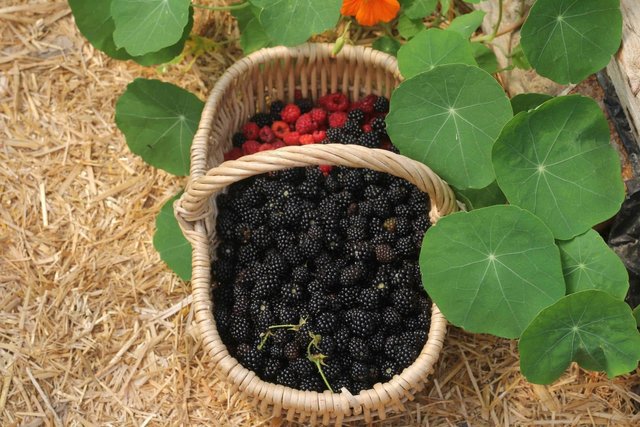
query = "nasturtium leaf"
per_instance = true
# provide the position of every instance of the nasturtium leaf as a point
(485, 57)
(386, 44)
(408, 28)
(482, 197)
(170, 243)
(147, 26)
(636, 313)
(445, 5)
(518, 59)
(449, 118)
(252, 35)
(291, 22)
(468, 23)
(491, 270)
(588, 263)
(418, 9)
(566, 40)
(556, 161)
(168, 53)
(431, 48)
(159, 121)
(528, 101)
(590, 327)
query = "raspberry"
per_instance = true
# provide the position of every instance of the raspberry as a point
(368, 103)
(337, 119)
(290, 113)
(265, 147)
(280, 129)
(278, 144)
(319, 136)
(234, 154)
(266, 134)
(292, 138)
(307, 139)
(326, 169)
(319, 116)
(251, 131)
(250, 147)
(366, 128)
(335, 102)
(305, 124)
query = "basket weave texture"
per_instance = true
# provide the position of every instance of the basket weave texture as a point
(246, 87)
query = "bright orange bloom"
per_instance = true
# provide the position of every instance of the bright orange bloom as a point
(370, 12)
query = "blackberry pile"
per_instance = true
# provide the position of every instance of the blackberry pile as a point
(317, 276)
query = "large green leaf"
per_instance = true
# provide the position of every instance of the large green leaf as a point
(170, 243)
(252, 35)
(145, 26)
(556, 161)
(485, 57)
(448, 118)
(431, 48)
(408, 28)
(482, 197)
(468, 23)
(491, 270)
(566, 40)
(528, 101)
(159, 121)
(588, 263)
(291, 22)
(417, 9)
(590, 327)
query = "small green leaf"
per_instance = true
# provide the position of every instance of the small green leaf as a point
(566, 40)
(491, 270)
(467, 24)
(485, 57)
(448, 118)
(159, 121)
(431, 48)
(386, 44)
(588, 263)
(483, 197)
(291, 22)
(252, 35)
(170, 243)
(528, 101)
(556, 161)
(445, 5)
(588, 327)
(518, 59)
(147, 26)
(418, 9)
(408, 28)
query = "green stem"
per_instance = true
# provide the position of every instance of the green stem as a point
(497, 27)
(222, 8)
(324, 378)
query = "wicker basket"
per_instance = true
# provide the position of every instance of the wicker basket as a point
(245, 88)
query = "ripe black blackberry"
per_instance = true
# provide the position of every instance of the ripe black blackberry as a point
(404, 301)
(335, 135)
(291, 351)
(362, 323)
(325, 323)
(356, 116)
(351, 127)
(288, 378)
(305, 105)
(276, 107)
(327, 346)
(291, 293)
(248, 254)
(359, 371)
(379, 125)
(385, 253)
(240, 329)
(262, 119)
(368, 299)
(369, 140)
(249, 357)
(389, 369)
(349, 138)
(238, 139)
(312, 384)
(359, 251)
(381, 105)
(359, 349)
(404, 355)
(272, 368)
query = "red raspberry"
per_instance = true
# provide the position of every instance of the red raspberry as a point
(319, 136)
(305, 124)
(290, 113)
(366, 128)
(325, 169)
(368, 103)
(292, 138)
(337, 119)
(266, 134)
(250, 147)
(319, 116)
(234, 154)
(251, 131)
(280, 128)
(278, 144)
(306, 139)
(265, 147)
(386, 145)
(335, 102)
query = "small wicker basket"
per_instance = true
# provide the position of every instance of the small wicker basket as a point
(245, 88)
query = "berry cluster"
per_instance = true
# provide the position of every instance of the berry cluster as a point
(333, 120)
(318, 284)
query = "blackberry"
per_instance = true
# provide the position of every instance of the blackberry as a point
(356, 116)
(385, 253)
(351, 127)
(258, 307)
(351, 179)
(403, 226)
(328, 275)
(325, 323)
(381, 105)
(276, 107)
(286, 313)
(359, 251)
(240, 329)
(404, 301)
(288, 378)
(359, 372)
(305, 105)
(315, 287)
(310, 246)
(285, 239)
(405, 277)
(368, 299)
(327, 345)
(369, 140)
(362, 323)
(404, 356)
(318, 303)
(313, 175)
(312, 384)
(357, 232)
(303, 367)
(275, 264)
(390, 345)
(265, 286)
(262, 119)
(352, 274)
(300, 274)
(382, 207)
(342, 337)
(349, 138)
(333, 371)
(308, 191)
(334, 135)
(343, 382)
(376, 342)
(291, 350)
(238, 139)
(241, 306)
(249, 357)
(293, 255)
(271, 369)
(373, 192)
(291, 292)
(397, 193)
(391, 318)
(248, 255)
(359, 349)
(223, 270)
(348, 296)
(389, 369)
(379, 125)
(333, 241)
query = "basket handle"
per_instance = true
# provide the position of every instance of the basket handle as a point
(192, 205)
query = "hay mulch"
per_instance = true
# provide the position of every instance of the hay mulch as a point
(95, 330)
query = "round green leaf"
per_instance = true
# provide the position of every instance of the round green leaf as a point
(590, 327)
(431, 48)
(485, 57)
(386, 44)
(528, 101)
(252, 35)
(170, 243)
(149, 25)
(468, 23)
(291, 22)
(566, 40)
(491, 270)
(168, 53)
(408, 28)
(556, 161)
(448, 118)
(588, 263)
(417, 9)
(159, 121)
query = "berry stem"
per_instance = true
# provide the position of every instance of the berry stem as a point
(222, 8)
(317, 359)
(268, 333)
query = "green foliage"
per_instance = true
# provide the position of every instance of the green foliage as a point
(408, 28)
(387, 44)
(483, 197)
(518, 59)
(636, 314)
(431, 48)
(485, 57)
(291, 22)
(252, 34)
(468, 23)
(449, 118)
(528, 101)
(170, 243)
(566, 40)
(417, 9)
(588, 263)
(159, 121)
(491, 270)
(556, 161)
(591, 327)
(147, 26)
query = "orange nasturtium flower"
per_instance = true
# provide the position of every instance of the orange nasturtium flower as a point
(370, 12)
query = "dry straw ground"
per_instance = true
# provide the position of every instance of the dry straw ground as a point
(95, 330)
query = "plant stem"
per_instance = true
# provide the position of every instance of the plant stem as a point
(324, 378)
(222, 8)
(497, 27)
